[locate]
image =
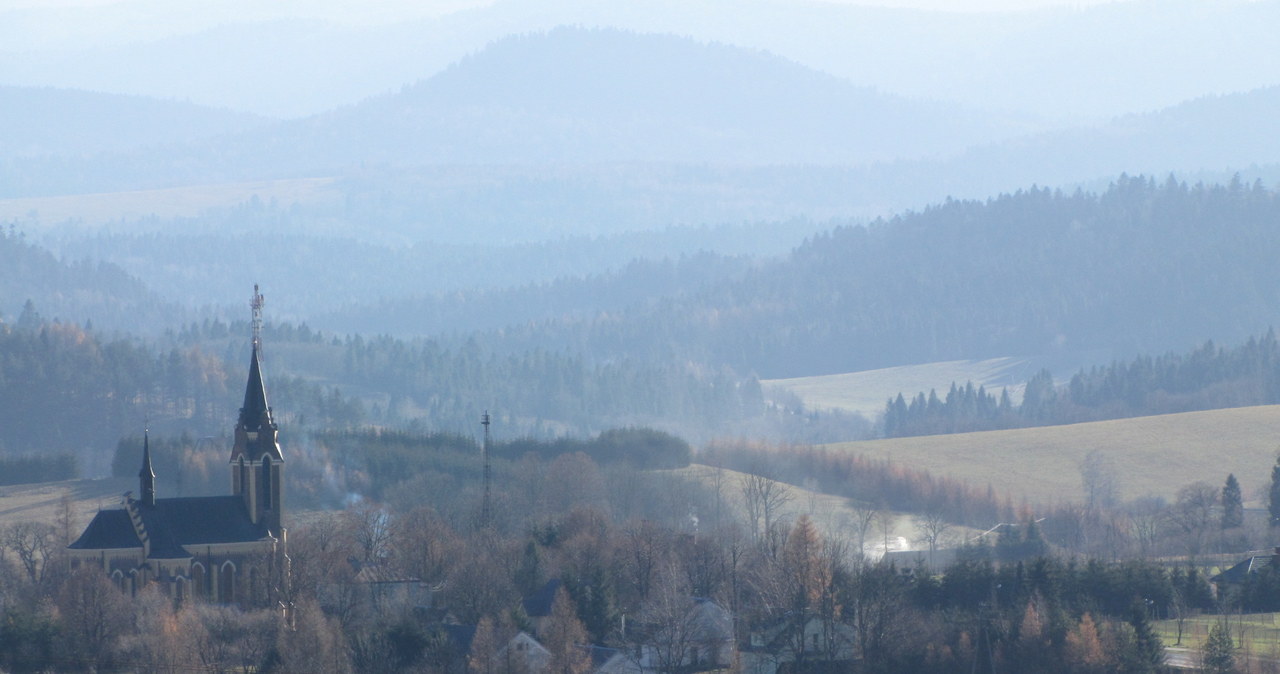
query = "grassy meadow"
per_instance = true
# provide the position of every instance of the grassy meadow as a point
(1151, 455)
(1256, 634)
(865, 392)
(96, 209)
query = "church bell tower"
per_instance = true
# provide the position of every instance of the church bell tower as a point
(257, 466)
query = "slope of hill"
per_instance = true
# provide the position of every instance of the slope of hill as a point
(600, 95)
(46, 121)
(290, 59)
(1140, 268)
(866, 392)
(72, 291)
(1213, 133)
(1150, 455)
(568, 96)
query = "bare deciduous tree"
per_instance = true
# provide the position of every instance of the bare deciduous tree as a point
(764, 499)
(864, 516)
(91, 609)
(34, 544)
(885, 521)
(368, 524)
(1193, 513)
(667, 629)
(1098, 480)
(933, 525)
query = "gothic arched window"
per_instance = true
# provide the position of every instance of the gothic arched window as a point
(227, 583)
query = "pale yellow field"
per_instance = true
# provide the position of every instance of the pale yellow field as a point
(1151, 455)
(41, 502)
(865, 392)
(96, 209)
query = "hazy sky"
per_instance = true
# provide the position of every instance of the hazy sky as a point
(380, 8)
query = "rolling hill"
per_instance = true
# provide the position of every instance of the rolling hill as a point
(1151, 455)
(293, 59)
(576, 95)
(41, 121)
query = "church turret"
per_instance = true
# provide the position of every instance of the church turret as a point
(256, 461)
(147, 476)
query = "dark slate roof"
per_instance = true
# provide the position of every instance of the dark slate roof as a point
(109, 530)
(172, 524)
(204, 519)
(1238, 573)
(539, 604)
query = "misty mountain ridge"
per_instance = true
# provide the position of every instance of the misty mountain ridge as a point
(578, 95)
(1043, 63)
(1211, 133)
(48, 121)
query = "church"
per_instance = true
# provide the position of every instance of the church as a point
(229, 549)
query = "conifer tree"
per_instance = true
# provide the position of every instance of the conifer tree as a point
(1232, 504)
(1148, 649)
(1219, 651)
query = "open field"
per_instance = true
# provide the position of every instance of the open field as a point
(97, 209)
(1151, 455)
(865, 392)
(1255, 634)
(41, 502)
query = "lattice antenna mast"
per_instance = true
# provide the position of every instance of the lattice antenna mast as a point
(256, 306)
(485, 513)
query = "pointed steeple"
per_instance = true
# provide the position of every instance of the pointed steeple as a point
(255, 430)
(255, 413)
(147, 476)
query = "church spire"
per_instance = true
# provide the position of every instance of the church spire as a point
(255, 429)
(147, 476)
(255, 413)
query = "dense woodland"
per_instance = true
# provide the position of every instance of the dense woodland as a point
(50, 372)
(1141, 267)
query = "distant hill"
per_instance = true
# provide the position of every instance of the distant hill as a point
(1140, 268)
(576, 95)
(1151, 455)
(73, 291)
(293, 59)
(48, 121)
(569, 96)
(1212, 133)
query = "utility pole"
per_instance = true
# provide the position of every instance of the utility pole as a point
(485, 513)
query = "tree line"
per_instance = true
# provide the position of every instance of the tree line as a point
(1208, 377)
